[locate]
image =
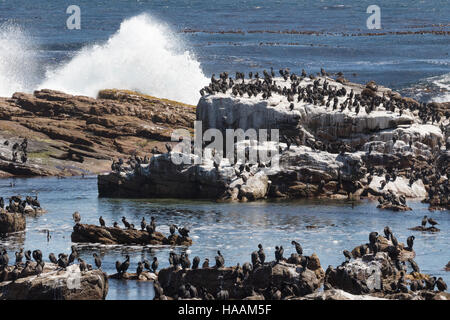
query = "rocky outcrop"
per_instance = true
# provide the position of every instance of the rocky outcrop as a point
(336, 294)
(88, 233)
(75, 135)
(344, 152)
(265, 280)
(393, 207)
(425, 229)
(383, 273)
(11, 222)
(54, 284)
(144, 276)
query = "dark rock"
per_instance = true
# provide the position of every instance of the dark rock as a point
(425, 229)
(11, 222)
(110, 235)
(57, 285)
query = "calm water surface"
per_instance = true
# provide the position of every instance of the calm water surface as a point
(235, 229)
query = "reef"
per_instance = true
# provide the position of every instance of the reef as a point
(336, 139)
(88, 233)
(270, 279)
(53, 284)
(70, 135)
(425, 229)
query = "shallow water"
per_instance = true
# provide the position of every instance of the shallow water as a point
(235, 229)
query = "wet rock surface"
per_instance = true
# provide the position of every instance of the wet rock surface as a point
(87, 233)
(11, 222)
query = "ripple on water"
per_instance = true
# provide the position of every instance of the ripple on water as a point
(235, 229)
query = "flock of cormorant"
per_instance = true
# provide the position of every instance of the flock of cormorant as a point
(19, 149)
(17, 205)
(317, 91)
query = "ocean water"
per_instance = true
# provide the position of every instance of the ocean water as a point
(235, 229)
(169, 48)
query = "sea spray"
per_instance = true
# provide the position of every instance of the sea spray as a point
(443, 83)
(18, 64)
(143, 55)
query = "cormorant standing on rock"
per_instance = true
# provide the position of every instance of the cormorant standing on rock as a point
(73, 255)
(39, 268)
(195, 262)
(441, 285)
(184, 232)
(52, 258)
(255, 258)
(279, 253)
(155, 264)
(414, 265)
(139, 269)
(97, 260)
(205, 263)
(76, 217)
(37, 255)
(62, 261)
(432, 222)
(125, 223)
(410, 242)
(394, 240)
(143, 223)
(220, 261)
(19, 256)
(298, 247)
(387, 232)
(124, 265)
(172, 229)
(261, 254)
(373, 237)
(347, 254)
(82, 265)
(153, 223)
(102, 222)
(424, 221)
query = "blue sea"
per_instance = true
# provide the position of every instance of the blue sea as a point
(171, 48)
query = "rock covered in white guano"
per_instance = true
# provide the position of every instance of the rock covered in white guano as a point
(56, 284)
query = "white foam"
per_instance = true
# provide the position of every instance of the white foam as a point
(143, 55)
(18, 65)
(443, 82)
